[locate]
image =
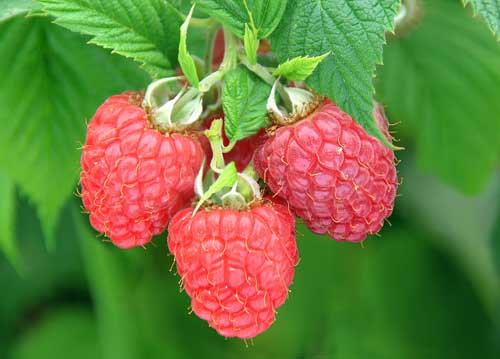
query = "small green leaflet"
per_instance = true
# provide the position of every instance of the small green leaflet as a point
(489, 10)
(7, 219)
(299, 68)
(144, 30)
(353, 31)
(185, 59)
(56, 82)
(244, 99)
(251, 42)
(233, 14)
(447, 101)
(227, 178)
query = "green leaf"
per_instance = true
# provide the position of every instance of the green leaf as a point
(251, 43)
(495, 238)
(51, 83)
(80, 342)
(233, 14)
(185, 59)
(461, 224)
(360, 290)
(299, 68)
(136, 299)
(244, 99)
(11, 8)
(447, 95)
(353, 31)
(227, 178)
(489, 10)
(7, 219)
(108, 280)
(146, 31)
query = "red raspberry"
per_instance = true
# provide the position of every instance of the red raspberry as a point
(334, 175)
(134, 178)
(236, 266)
(244, 149)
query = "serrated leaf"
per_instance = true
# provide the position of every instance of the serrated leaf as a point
(51, 82)
(353, 31)
(185, 59)
(233, 14)
(489, 10)
(299, 68)
(448, 101)
(11, 8)
(7, 219)
(244, 99)
(146, 31)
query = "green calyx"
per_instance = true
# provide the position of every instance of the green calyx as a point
(223, 184)
(178, 103)
(173, 107)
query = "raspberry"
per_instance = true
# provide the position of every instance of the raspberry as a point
(334, 175)
(236, 266)
(134, 178)
(244, 149)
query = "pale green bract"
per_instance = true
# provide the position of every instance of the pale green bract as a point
(227, 178)
(185, 59)
(299, 68)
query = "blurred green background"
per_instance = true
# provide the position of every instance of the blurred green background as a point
(428, 287)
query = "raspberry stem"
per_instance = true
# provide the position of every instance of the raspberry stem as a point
(265, 75)
(244, 188)
(209, 51)
(214, 135)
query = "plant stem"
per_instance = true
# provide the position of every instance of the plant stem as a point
(202, 23)
(209, 51)
(228, 63)
(214, 135)
(267, 77)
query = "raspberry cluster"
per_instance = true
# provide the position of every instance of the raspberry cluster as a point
(236, 264)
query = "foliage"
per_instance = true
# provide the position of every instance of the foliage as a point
(244, 101)
(489, 11)
(355, 43)
(447, 97)
(426, 288)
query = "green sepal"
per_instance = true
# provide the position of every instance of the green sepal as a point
(299, 68)
(186, 61)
